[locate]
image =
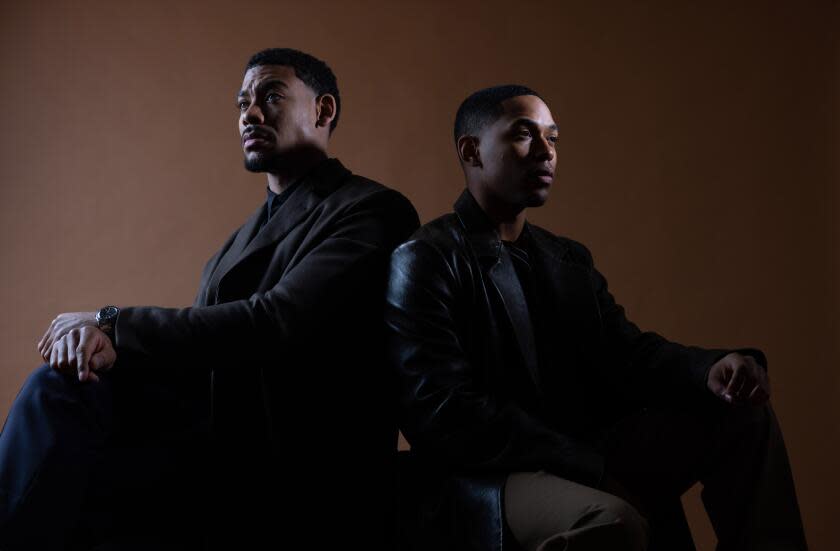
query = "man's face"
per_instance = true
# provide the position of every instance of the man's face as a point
(517, 153)
(277, 116)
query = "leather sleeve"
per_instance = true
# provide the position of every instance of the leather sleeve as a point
(445, 410)
(357, 248)
(644, 358)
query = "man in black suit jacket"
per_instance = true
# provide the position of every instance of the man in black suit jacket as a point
(262, 413)
(520, 372)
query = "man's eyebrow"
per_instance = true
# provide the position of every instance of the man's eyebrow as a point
(263, 86)
(531, 122)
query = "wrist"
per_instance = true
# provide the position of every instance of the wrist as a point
(106, 320)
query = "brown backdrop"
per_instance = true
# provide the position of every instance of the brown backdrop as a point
(697, 158)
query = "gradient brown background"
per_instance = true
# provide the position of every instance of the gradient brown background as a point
(697, 158)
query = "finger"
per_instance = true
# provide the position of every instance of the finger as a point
(742, 396)
(103, 359)
(72, 345)
(86, 346)
(84, 353)
(42, 343)
(100, 362)
(51, 339)
(735, 381)
(54, 357)
(97, 362)
(82, 369)
(742, 389)
(47, 332)
(48, 345)
(757, 396)
(60, 326)
(717, 378)
(58, 356)
(760, 374)
(62, 354)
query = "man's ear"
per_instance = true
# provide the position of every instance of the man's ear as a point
(324, 110)
(468, 151)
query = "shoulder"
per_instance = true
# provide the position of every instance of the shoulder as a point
(443, 234)
(437, 251)
(358, 191)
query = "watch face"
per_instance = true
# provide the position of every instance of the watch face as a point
(108, 312)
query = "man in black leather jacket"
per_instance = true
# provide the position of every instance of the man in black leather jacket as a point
(516, 362)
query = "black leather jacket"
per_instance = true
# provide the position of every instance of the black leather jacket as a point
(452, 300)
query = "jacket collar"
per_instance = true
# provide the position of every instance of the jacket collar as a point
(482, 236)
(317, 184)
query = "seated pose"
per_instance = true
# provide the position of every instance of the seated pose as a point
(514, 358)
(249, 418)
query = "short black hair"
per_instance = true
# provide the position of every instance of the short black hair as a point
(312, 71)
(484, 107)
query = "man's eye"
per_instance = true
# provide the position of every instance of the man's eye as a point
(552, 139)
(242, 105)
(272, 97)
(524, 133)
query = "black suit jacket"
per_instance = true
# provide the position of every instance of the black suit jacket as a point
(287, 324)
(453, 299)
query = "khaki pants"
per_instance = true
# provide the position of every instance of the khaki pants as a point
(736, 452)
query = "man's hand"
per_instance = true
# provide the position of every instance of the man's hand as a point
(739, 379)
(84, 351)
(60, 326)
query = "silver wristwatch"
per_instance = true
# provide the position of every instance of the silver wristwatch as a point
(106, 320)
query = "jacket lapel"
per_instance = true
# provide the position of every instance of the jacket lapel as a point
(503, 276)
(576, 307)
(498, 268)
(316, 185)
(232, 255)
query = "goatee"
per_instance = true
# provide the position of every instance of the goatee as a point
(260, 163)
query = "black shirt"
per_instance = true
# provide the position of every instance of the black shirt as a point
(273, 200)
(523, 257)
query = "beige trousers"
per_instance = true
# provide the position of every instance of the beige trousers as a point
(737, 453)
(549, 513)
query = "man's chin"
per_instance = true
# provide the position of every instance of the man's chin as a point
(537, 199)
(259, 163)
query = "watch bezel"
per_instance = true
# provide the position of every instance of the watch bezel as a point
(107, 315)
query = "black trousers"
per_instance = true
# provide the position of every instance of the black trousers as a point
(125, 458)
(130, 461)
(736, 452)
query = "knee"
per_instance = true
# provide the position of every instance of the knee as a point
(43, 381)
(631, 527)
(46, 389)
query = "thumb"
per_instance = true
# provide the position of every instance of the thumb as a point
(102, 360)
(718, 379)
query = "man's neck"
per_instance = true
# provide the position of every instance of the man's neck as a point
(508, 221)
(281, 179)
(510, 231)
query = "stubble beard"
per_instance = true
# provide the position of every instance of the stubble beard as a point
(261, 163)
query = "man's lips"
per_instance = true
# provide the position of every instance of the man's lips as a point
(255, 143)
(543, 174)
(254, 139)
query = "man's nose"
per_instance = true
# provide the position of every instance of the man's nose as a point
(253, 114)
(543, 149)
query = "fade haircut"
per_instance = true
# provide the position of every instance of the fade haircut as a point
(485, 107)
